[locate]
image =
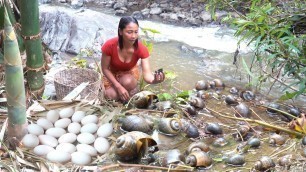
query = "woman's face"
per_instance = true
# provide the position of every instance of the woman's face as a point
(130, 33)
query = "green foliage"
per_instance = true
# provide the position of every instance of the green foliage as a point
(148, 43)
(276, 32)
(78, 62)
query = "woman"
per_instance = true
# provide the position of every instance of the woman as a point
(119, 62)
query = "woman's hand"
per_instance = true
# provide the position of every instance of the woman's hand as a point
(159, 76)
(123, 93)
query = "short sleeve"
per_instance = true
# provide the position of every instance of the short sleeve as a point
(143, 51)
(107, 48)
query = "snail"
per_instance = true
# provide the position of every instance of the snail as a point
(243, 131)
(192, 131)
(294, 111)
(198, 159)
(143, 99)
(136, 123)
(132, 144)
(231, 100)
(203, 94)
(304, 141)
(169, 126)
(164, 105)
(202, 85)
(197, 102)
(191, 110)
(243, 110)
(247, 95)
(276, 140)
(217, 84)
(272, 108)
(234, 91)
(220, 142)
(213, 128)
(285, 160)
(253, 142)
(264, 163)
(197, 146)
(235, 160)
(167, 157)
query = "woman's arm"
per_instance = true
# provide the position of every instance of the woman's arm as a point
(148, 76)
(105, 63)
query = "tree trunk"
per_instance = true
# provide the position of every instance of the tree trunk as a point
(14, 83)
(31, 35)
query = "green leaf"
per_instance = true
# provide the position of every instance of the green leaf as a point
(288, 96)
(184, 94)
(164, 96)
(170, 75)
(245, 66)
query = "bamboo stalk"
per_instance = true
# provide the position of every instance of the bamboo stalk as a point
(260, 123)
(14, 81)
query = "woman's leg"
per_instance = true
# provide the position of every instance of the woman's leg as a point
(129, 82)
(111, 93)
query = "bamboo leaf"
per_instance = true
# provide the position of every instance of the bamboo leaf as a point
(245, 66)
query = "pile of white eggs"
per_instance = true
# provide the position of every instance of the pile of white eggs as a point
(68, 136)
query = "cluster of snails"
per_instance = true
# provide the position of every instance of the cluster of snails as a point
(275, 109)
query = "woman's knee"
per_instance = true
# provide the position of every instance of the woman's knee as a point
(128, 82)
(110, 93)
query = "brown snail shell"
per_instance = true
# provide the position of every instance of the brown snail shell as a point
(244, 130)
(217, 84)
(276, 140)
(264, 163)
(231, 100)
(247, 95)
(191, 110)
(236, 160)
(143, 99)
(197, 102)
(198, 159)
(136, 123)
(213, 128)
(169, 126)
(202, 85)
(127, 146)
(254, 142)
(243, 110)
(197, 146)
(192, 131)
(285, 160)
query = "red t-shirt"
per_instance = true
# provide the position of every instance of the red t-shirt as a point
(110, 49)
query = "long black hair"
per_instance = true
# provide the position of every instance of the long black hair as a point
(122, 24)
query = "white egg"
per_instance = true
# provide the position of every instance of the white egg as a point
(35, 129)
(105, 130)
(89, 119)
(102, 145)
(30, 141)
(80, 158)
(42, 150)
(66, 112)
(74, 128)
(78, 116)
(62, 123)
(67, 138)
(58, 156)
(87, 149)
(48, 140)
(89, 128)
(55, 132)
(52, 115)
(66, 147)
(44, 123)
(86, 138)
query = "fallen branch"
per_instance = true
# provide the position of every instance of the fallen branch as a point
(260, 123)
(143, 166)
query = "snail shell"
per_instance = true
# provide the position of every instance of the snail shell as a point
(136, 123)
(130, 145)
(197, 102)
(243, 110)
(271, 108)
(234, 91)
(294, 111)
(220, 142)
(191, 110)
(169, 126)
(198, 159)
(276, 140)
(202, 85)
(174, 156)
(236, 160)
(192, 131)
(247, 95)
(213, 128)
(264, 163)
(197, 146)
(164, 105)
(285, 160)
(243, 130)
(254, 142)
(304, 141)
(143, 99)
(217, 84)
(231, 100)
